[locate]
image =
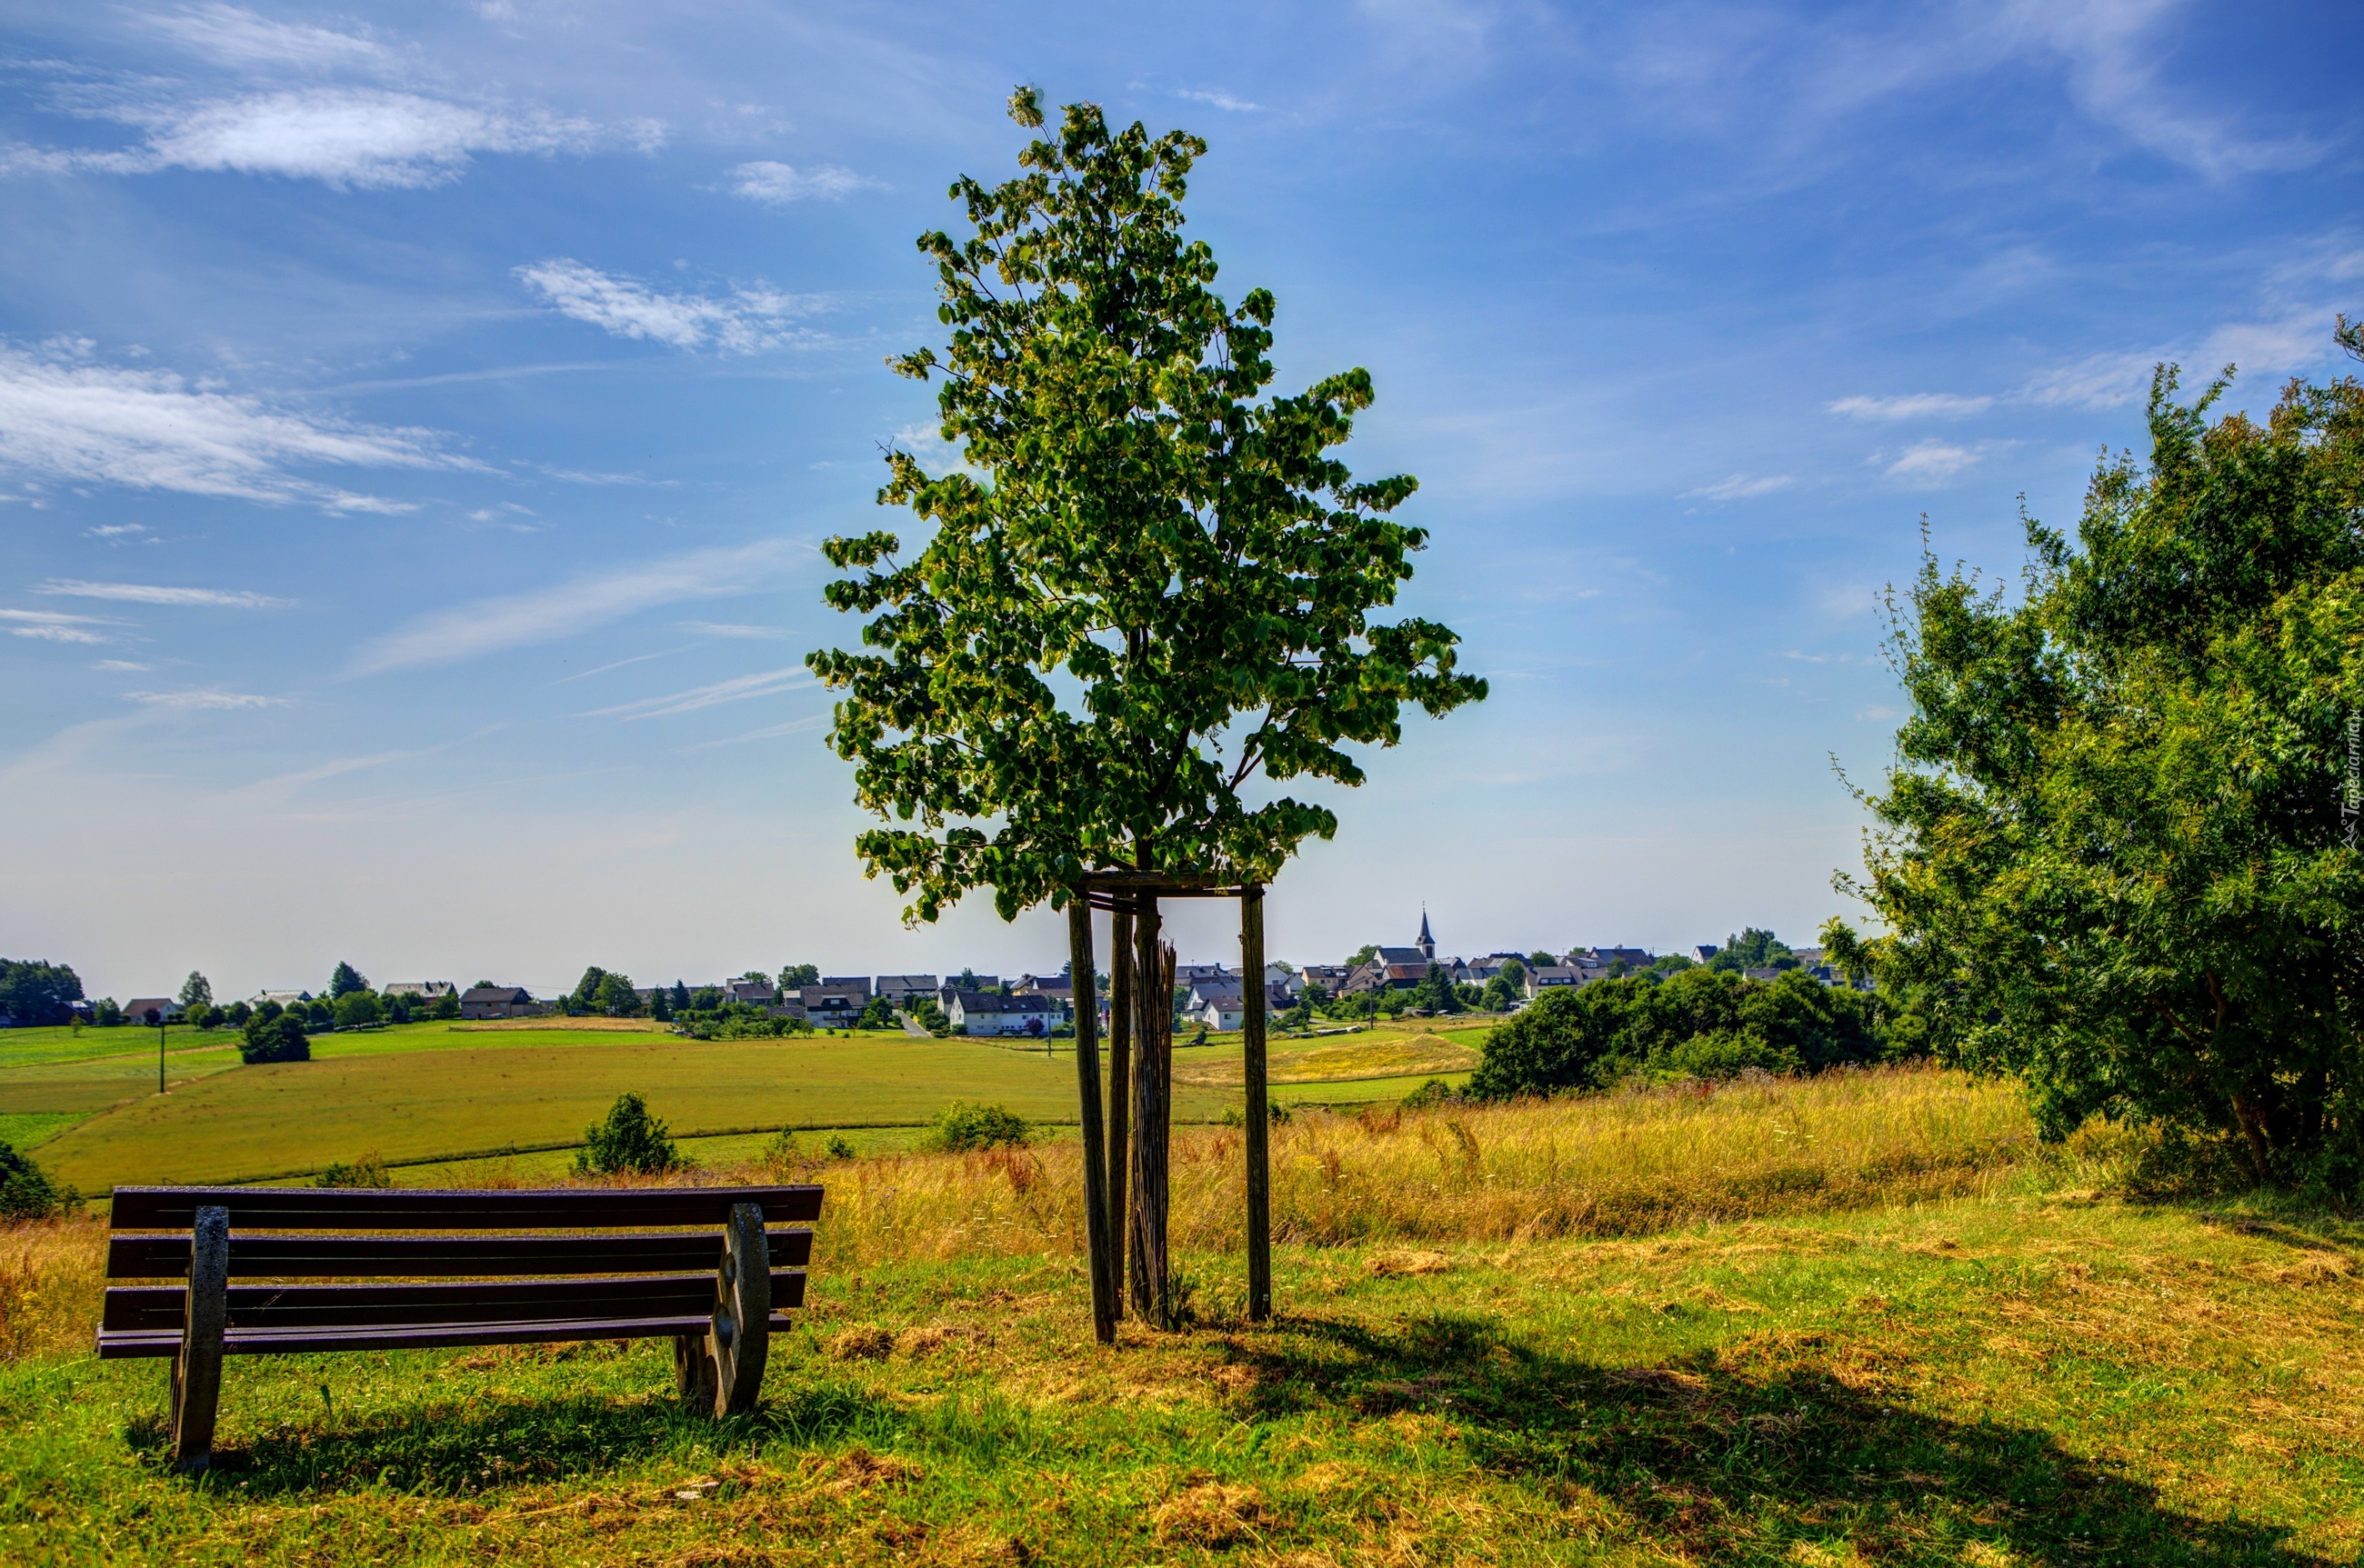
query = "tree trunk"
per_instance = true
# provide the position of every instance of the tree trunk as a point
(2252, 1119)
(1120, 1097)
(1153, 1071)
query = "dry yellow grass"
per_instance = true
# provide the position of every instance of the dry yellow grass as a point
(1609, 1165)
(1386, 1056)
(51, 1279)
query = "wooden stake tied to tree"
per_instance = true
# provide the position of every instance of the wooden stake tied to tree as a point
(1147, 584)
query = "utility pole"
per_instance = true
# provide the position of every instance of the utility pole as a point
(160, 1052)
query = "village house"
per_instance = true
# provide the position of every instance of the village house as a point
(430, 991)
(1548, 977)
(905, 992)
(498, 1002)
(833, 1003)
(991, 1013)
(167, 1010)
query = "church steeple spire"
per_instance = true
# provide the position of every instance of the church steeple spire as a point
(1427, 944)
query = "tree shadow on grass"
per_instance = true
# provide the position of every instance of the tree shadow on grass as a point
(441, 1448)
(1741, 1453)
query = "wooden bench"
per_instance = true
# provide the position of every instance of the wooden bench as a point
(714, 1279)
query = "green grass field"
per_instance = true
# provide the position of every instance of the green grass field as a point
(451, 1094)
(2032, 1380)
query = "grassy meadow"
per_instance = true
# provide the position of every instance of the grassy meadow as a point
(1864, 1318)
(450, 1096)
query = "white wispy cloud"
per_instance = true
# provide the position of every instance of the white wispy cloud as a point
(55, 625)
(1740, 487)
(563, 609)
(2098, 381)
(114, 530)
(346, 136)
(234, 36)
(1912, 405)
(727, 628)
(65, 417)
(210, 697)
(151, 593)
(793, 726)
(60, 634)
(777, 185)
(744, 321)
(1216, 98)
(125, 666)
(738, 688)
(2113, 50)
(1930, 462)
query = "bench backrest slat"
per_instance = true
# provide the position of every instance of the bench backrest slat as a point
(415, 1208)
(283, 1256)
(151, 1308)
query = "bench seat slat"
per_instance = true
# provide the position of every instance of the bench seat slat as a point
(131, 1344)
(421, 1209)
(256, 1307)
(278, 1256)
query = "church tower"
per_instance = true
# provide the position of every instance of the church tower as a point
(1427, 944)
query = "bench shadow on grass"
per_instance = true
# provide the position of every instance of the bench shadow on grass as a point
(446, 1449)
(1737, 1454)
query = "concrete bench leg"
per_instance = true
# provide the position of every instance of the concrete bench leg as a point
(196, 1371)
(740, 1341)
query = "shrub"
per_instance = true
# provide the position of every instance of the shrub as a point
(1727, 1054)
(837, 1147)
(781, 1155)
(366, 1171)
(960, 1127)
(278, 1039)
(27, 1192)
(629, 1142)
(1275, 1115)
(1435, 1092)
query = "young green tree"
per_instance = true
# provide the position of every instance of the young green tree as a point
(2119, 857)
(615, 996)
(629, 1142)
(196, 991)
(355, 1008)
(1149, 582)
(276, 1037)
(1753, 949)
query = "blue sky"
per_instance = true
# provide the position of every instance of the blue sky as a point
(418, 422)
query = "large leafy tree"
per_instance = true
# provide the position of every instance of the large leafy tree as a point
(1148, 583)
(33, 991)
(2118, 857)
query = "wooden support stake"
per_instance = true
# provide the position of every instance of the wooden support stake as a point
(1119, 1095)
(1082, 976)
(1259, 1105)
(197, 1372)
